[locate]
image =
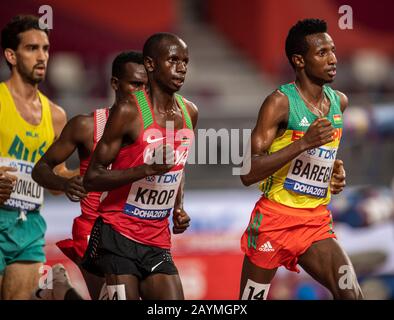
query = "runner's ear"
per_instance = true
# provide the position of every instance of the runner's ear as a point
(10, 56)
(149, 64)
(298, 61)
(115, 83)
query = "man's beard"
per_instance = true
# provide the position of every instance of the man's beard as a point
(29, 76)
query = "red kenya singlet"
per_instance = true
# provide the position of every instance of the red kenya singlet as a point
(140, 210)
(83, 224)
(90, 204)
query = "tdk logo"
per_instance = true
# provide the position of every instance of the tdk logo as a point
(327, 154)
(22, 167)
(168, 178)
(322, 153)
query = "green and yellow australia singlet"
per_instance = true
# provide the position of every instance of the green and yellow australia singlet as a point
(304, 182)
(21, 146)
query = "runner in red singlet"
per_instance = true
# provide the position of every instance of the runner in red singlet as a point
(130, 242)
(83, 133)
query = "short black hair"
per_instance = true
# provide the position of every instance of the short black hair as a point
(151, 45)
(122, 58)
(296, 42)
(18, 24)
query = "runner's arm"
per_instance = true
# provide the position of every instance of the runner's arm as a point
(59, 120)
(74, 133)
(193, 112)
(7, 181)
(338, 178)
(179, 196)
(180, 218)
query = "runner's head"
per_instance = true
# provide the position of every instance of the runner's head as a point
(128, 74)
(166, 57)
(311, 50)
(26, 47)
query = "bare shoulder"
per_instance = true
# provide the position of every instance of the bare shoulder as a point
(191, 107)
(127, 109)
(80, 128)
(59, 118)
(277, 98)
(276, 104)
(343, 100)
(81, 122)
(58, 113)
(124, 118)
(271, 122)
(193, 111)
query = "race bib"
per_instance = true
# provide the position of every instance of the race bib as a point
(153, 197)
(27, 194)
(310, 172)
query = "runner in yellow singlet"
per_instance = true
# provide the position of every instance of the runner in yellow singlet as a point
(29, 123)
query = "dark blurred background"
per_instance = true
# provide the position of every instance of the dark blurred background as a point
(236, 59)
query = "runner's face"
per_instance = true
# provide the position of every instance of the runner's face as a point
(172, 64)
(32, 55)
(320, 60)
(134, 79)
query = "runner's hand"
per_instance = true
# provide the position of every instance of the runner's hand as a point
(338, 178)
(162, 161)
(7, 183)
(181, 220)
(74, 189)
(319, 133)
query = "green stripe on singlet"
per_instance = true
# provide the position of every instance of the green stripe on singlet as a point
(266, 186)
(146, 113)
(263, 186)
(269, 186)
(188, 121)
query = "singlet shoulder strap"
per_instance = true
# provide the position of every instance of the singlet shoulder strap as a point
(46, 113)
(291, 93)
(100, 119)
(334, 98)
(186, 115)
(4, 97)
(296, 108)
(143, 105)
